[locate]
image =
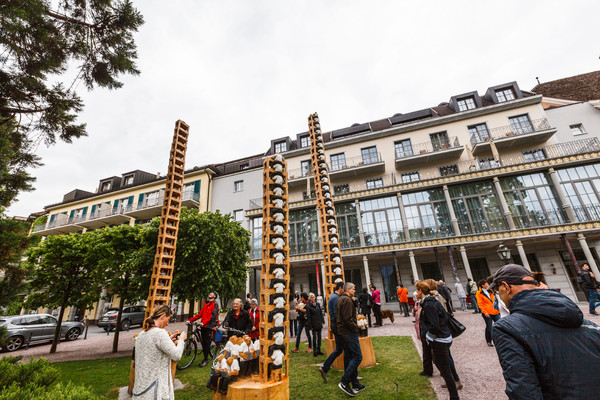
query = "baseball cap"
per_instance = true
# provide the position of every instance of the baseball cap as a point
(512, 274)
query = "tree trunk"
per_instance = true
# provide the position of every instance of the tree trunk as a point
(57, 331)
(118, 327)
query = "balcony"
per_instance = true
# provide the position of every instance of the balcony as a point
(350, 167)
(105, 216)
(531, 133)
(540, 218)
(61, 224)
(427, 153)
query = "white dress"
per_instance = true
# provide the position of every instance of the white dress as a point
(154, 351)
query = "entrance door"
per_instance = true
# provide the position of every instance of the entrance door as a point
(390, 282)
(566, 259)
(479, 269)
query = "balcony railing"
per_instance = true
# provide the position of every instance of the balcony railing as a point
(587, 212)
(501, 132)
(540, 218)
(425, 148)
(340, 165)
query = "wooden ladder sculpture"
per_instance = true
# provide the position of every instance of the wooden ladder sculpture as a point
(164, 260)
(272, 383)
(332, 257)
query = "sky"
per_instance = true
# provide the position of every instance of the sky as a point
(241, 73)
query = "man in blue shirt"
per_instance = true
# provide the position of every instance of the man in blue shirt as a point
(339, 346)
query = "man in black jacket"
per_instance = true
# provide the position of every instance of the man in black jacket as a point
(348, 329)
(546, 349)
(445, 292)
(590, 285)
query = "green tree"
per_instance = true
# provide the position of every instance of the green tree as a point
(120, 266)
(41, 39)
(14, 240)
(62, 275)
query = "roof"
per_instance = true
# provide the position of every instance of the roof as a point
(584, 87)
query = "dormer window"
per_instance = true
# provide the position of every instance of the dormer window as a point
(280, 147)
(304, 141)
(106, 186)
(467, 103)
(128, 180)
(505, 94)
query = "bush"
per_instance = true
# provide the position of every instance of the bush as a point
(57, 392)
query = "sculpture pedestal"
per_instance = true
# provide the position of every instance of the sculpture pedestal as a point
(366, 347)
(249, 389)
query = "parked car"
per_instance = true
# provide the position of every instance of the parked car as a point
(132, 315)
(36, 328)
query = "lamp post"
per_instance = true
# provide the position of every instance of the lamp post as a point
(504, 253)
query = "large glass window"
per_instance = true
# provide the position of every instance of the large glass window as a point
(532, 201)
(477, 208)
(381, 220)
(534, 155)
(347, 225)
(390, 283)
(256, 238)
(427, 214)
(304, 141)
(479, 133)
(468, 103)
(582, 189)
(305, 167)
(303, 229)
(280, 147)
(440, 140)
(520, 124)
(403, 148)
(338, 161)
(374, 183)
(369, 155)
(505, 95)
(409, 177)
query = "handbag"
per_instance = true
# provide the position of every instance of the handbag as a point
(456, 328)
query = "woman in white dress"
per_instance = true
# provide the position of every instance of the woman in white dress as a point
(154, 350)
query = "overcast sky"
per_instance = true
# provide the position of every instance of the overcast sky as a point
(241, 73)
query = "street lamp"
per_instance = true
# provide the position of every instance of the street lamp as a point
(504, 253)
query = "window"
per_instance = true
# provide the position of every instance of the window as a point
(468, 103)
(440, 140)
(582, 189)
(79, 214)
(390, 283)
(238, 215)
(123, 205)
(303, 231)
(577, 129)
(520, 124)
(505, 95)
(479, 268)
(341, 189)
(479, 133)
(305, 168)
(188, 191)
(369, 155)
(409, 177)
(106, 186)
(374, 183)
(128, 180)
(304, 141)
(448, 170)
(347, 221)
(280, 147)
(533, 155)
(403, 148)
(427, 214)
(381, 220)
(308, 196)
(431, 270)
(488, 162)
(476, 208)
(244, 166)
(152, 198)
(338, 161)
(256, 238)
(238, 186)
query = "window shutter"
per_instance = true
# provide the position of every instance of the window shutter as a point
(130, 201)
(71, 215)
(140, 201)
(115, 205)
(197, 190)
(52, 217)
(84, 211)
(93, 210)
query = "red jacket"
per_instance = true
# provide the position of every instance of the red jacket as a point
(255, 318)
(208, 315)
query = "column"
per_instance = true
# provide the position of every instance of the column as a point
(361, 233)
(465, 259)
(248, 281)
(451, 209)
(413, 265)
(454, 272)
(323, 281)
(561, 195)
(398, 278)
(522, 254)
(570, 251)
(588, 255)
(403, 217)
(366, 266)
(504, 205)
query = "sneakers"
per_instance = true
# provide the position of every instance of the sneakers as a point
(295, 350)
(358, 387)
(323, 374)
(423, 373)
(459, 385)
(346, 389)
(308, 350)
(204, 363)
(490, 344)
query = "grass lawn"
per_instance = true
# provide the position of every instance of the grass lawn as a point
(397, 357)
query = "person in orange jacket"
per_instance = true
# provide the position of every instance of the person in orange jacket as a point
(403, 299)
(485, 301)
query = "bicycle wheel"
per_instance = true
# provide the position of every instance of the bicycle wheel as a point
(215, 349)
(189, 354)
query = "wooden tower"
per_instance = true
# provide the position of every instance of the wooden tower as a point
(164, 260)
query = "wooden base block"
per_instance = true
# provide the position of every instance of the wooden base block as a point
(250, 389)
(366, 347)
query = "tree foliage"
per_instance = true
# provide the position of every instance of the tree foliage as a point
(62, 275)
(14, 240)
(41, 39)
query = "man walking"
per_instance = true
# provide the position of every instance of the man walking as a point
(472, 291)
(462, 297)
(376, 296)
(590, 285)
(545, 347)
(347, 329)
(339, 345)
(403, 299)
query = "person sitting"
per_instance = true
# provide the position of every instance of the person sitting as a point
(238, 318)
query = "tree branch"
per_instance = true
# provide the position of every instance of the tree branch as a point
(23, 110)
(68, 19)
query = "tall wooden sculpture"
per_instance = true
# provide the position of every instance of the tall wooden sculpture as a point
(164, 260)
(332, 257)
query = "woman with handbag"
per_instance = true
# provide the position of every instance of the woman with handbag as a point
(435, 329)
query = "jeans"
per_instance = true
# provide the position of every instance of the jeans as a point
(427, 357)
(463, 303)
(352, 358)
(293, 327)
(316, 340)
(474, 302)
(339, 349)
(377, 312)
(404, 308)
(302, 326)
(488, 325)
(594, 300)
(443, 362)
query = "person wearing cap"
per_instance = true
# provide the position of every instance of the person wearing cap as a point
(546, 348)
(485, 301)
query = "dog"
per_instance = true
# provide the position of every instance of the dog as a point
(387, 314)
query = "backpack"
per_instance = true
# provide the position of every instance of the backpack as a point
(473, 287)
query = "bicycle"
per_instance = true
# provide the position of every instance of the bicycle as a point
(219, 337)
